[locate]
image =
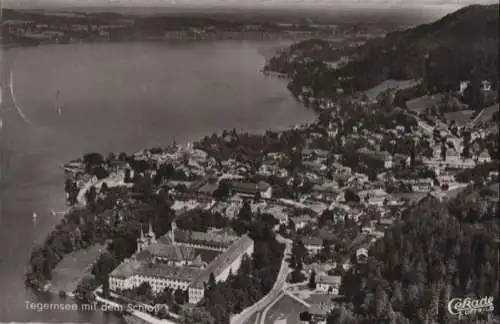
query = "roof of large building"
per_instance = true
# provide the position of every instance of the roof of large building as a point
(329, 280)
(174, 253)
(378, 155)
(249, 187)
(223, 261)
(213, 238)
(312, 241)
(157, 270)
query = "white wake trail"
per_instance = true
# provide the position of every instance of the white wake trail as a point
(16, 105)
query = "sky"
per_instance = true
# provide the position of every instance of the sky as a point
(441, 5)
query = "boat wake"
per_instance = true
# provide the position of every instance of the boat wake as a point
(14, 101)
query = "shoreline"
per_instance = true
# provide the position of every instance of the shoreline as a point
(47, 287)
(224, 36)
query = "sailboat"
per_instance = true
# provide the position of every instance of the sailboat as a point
(59, 106)
(35, 216)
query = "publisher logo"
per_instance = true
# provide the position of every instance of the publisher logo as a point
(462, 307)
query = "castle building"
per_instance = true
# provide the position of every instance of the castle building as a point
(173, 261)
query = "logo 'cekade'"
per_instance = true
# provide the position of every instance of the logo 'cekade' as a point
(469, 306)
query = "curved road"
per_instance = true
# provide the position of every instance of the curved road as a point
(247, 313)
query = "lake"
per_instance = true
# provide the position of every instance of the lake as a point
(114, 97)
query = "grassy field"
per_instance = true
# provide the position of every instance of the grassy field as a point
(389, 84)
(460, 117)
(73, 267)
(285, 311)
(317, 298)
(487, 114)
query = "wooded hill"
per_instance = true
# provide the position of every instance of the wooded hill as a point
(461, 46)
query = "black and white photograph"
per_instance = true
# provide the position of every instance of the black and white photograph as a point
(249, 162)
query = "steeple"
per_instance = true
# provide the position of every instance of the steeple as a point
(172, 231)
(150, 232)
(141, 241)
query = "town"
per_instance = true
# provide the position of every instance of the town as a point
(32, 27)
(236, 226)
(327, 208)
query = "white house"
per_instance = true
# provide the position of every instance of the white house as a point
(313, 244)
(302, 221)
(361, 252)
(374, 196)
(330, 284)
(484, 157)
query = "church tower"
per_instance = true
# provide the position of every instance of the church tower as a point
(151, 234)
(141, 242)
(172, 231)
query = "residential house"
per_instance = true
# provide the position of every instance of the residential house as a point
(330, 284)
(320, 311)
(485, 86)
(279, 212)
(313, 154)
(377, 159)
(361, 253)
(313, 244)
(374, 196)
(302, 221)
(315, 166)
(446, 178)
(308, 155)
(251, 189)
(484, 157)
(420, 185)
(327, 191)
(205, 188)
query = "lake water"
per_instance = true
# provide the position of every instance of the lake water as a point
(115, 97)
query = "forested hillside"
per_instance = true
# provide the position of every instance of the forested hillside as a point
(436, 251)
(462, 46)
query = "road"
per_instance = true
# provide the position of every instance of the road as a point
(275, 292)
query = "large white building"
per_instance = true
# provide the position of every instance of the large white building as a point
(167, 263)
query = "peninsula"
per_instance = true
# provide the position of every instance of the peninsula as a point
(377, 212)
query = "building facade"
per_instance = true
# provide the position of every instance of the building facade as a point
(164, 263)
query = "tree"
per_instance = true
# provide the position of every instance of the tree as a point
(92, 160)
(144, 289)
(128, 177)
(223, 191)
(305, 316)
(211, 281)
(245, 213)
(325, 252)
(197, 315)
(312, 280)
(100, 172)
(351, 196)
(85, 289)
(443, 150)
(91, 195)
(299, 253)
